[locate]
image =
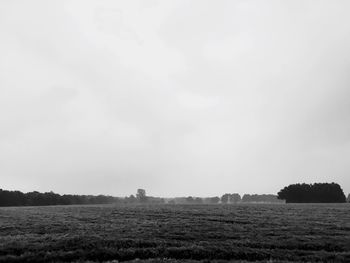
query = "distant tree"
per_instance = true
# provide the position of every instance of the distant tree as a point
(190, 200)
(247, 198)
(17, 198)
(236, 198)
(155, 200)
(130, 200)
(348, 199)
(198, 200)
(211, 200)
(214, 200)
(312, 193)
(225, 198)
(231, 198)
(264, 198)
(141, 195)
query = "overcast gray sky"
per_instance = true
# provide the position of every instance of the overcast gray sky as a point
(177, 97)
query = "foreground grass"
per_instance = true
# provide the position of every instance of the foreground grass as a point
(265, 233)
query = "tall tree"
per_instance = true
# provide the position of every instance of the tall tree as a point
(141, 195)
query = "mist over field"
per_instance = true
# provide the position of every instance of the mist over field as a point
(178, 97)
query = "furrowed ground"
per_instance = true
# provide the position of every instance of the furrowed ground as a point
(176, 233)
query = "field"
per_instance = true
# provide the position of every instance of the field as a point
(176, 233)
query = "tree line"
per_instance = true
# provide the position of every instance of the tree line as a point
(17, 198)
(297, 193)
(313, 193)
(227, 198)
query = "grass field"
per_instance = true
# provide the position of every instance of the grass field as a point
(266, 233)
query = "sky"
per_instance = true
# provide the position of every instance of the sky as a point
(178, 97)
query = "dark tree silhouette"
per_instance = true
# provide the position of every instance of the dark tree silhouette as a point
(225, 198)
(141, 195)
(235, 198)
(313, 193)
(17, 198)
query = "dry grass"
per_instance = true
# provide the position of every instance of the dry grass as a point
(266, 233)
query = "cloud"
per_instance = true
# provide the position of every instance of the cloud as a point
(181, 98)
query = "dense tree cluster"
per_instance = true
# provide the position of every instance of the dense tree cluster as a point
(230, 198)
(194, 200)
(313, 193)
(17, 198)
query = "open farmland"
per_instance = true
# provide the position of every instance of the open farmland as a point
(315, 233)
